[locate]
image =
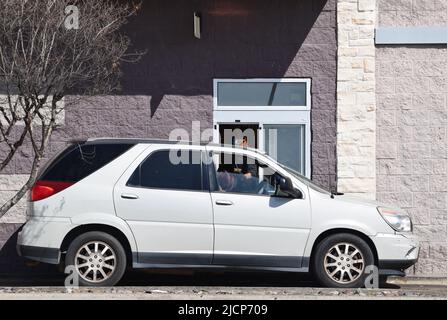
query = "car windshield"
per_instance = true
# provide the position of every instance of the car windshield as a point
(303, 179)
(297, 175)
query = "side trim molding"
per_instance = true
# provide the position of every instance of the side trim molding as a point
(149, 260)
(215, 267)
(257, 260)
(174, 258)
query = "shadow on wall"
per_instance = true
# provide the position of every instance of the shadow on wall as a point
(240, 38)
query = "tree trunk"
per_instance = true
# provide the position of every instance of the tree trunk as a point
(19, 195)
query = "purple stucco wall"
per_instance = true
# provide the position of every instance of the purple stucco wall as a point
(173, 84)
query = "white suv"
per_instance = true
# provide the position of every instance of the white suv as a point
(103, 205)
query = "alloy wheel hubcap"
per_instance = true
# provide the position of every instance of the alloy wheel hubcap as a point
(95, 261)
(344, 263)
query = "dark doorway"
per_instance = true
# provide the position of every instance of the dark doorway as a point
(232, 134)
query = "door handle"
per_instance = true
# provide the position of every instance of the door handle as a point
(129, 196)
(224, 202)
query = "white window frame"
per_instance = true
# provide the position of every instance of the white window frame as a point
(306, 107)
(263, 115)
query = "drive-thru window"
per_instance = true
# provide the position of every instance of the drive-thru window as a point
(274, 114)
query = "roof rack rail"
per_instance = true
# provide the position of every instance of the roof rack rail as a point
(163, 141)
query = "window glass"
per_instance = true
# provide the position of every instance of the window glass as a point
(286, 144)
(175, 169)
(82, 159)
(304, 180)
(261, 94)
(236, 173)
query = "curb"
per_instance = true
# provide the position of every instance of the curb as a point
(418, 281)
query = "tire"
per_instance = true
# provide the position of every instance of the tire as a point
(112, 261)
(342, 270)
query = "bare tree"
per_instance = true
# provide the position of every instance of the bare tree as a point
(50, 49)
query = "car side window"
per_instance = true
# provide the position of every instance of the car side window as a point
(169, 169)
(236, 173)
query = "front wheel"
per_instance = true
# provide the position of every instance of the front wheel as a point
(99, 259)
(340, 261)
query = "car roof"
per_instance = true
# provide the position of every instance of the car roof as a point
(161, 141)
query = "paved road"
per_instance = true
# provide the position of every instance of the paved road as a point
(168, 285)
(221, 293)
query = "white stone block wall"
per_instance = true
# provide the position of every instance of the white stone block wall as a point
(356, 106)
(9, 185)
(412, 128)
(46, 110)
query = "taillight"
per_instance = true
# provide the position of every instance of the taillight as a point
(44, 189)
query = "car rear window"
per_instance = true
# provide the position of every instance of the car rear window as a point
(158, 172)
(81, 160)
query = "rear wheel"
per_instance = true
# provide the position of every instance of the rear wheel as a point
(98, 258)
(340, 261)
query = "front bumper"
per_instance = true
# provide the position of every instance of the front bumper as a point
(396, 264)
(396, 252)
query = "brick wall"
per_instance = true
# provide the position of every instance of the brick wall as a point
(411, 128)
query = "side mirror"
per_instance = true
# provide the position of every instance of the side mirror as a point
(286, 187)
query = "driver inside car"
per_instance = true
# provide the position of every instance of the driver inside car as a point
(238, 173)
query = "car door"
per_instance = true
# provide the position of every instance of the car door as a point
(167, 204)
(253, 226)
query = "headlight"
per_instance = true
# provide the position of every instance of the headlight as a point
(398, 220)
